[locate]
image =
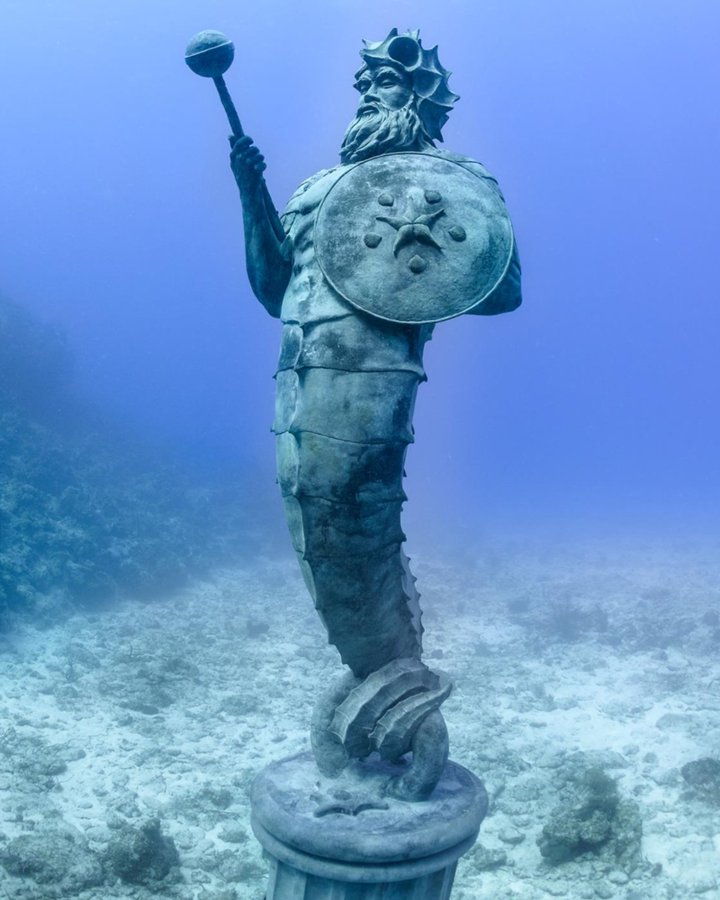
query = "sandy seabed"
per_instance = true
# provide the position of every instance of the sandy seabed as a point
(166, 709)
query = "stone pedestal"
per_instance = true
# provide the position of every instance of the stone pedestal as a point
(344, 839)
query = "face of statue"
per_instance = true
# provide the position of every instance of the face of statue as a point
(387, 120)
(386, 86)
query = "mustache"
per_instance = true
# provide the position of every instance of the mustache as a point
(370, 106)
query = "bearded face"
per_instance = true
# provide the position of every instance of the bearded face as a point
(378, 128)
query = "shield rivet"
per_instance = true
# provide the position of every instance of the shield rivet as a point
(372, 240)
(432, 196)
(417, 264)
(457, 233)
(386, 199)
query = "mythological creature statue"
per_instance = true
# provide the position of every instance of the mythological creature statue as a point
(365, 259)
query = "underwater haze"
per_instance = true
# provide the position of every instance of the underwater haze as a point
(594, 405)
(158, 646)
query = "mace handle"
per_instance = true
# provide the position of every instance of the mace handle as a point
(226, 100)
(237, 130)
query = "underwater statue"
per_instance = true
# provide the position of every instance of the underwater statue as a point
(366, 258)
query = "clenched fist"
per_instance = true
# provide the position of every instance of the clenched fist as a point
(247, 163)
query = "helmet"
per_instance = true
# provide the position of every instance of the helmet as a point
(429, 78)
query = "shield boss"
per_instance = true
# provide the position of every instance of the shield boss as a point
(410, 237)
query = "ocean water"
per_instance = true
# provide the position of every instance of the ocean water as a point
(158, 646)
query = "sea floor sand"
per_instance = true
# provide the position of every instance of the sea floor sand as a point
(166, 710)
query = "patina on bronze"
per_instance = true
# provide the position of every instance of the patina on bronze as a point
(365, 259)
(413, 237)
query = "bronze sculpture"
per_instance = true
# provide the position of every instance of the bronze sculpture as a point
(363, 262)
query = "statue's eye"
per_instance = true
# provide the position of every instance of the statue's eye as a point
(362, 85)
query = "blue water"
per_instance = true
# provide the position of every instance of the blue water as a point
(135, 444)
(593, 406)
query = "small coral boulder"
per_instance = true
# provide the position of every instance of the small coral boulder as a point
(142, 855)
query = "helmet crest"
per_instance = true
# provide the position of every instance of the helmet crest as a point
(429, 78)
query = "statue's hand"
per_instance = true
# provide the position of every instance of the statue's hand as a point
(247, 164)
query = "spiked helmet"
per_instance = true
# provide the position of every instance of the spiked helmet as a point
(429, 78)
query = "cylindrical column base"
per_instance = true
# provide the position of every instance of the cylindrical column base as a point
(287, 883)
(343, 839)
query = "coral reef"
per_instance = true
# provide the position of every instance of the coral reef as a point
(58, 858)
(592, 817)
(142, 855)
(703, 778)
(84, 513)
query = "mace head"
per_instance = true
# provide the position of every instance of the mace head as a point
(210, 54)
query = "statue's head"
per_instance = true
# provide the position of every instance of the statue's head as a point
(405, 98)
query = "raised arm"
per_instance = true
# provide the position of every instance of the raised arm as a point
(268, 250)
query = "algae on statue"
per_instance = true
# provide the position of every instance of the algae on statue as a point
(373, 253)
(367, 257)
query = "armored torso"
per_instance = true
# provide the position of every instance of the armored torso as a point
(346, 386)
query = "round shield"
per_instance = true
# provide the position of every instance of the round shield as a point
(413, 238)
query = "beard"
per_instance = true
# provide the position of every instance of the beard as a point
(383, 131)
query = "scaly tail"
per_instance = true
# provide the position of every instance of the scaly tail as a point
(343, 422)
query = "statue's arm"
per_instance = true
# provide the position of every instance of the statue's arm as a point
(268, 250)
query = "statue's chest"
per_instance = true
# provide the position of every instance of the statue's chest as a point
(322, 329)
(309, 297)
(301, 212)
